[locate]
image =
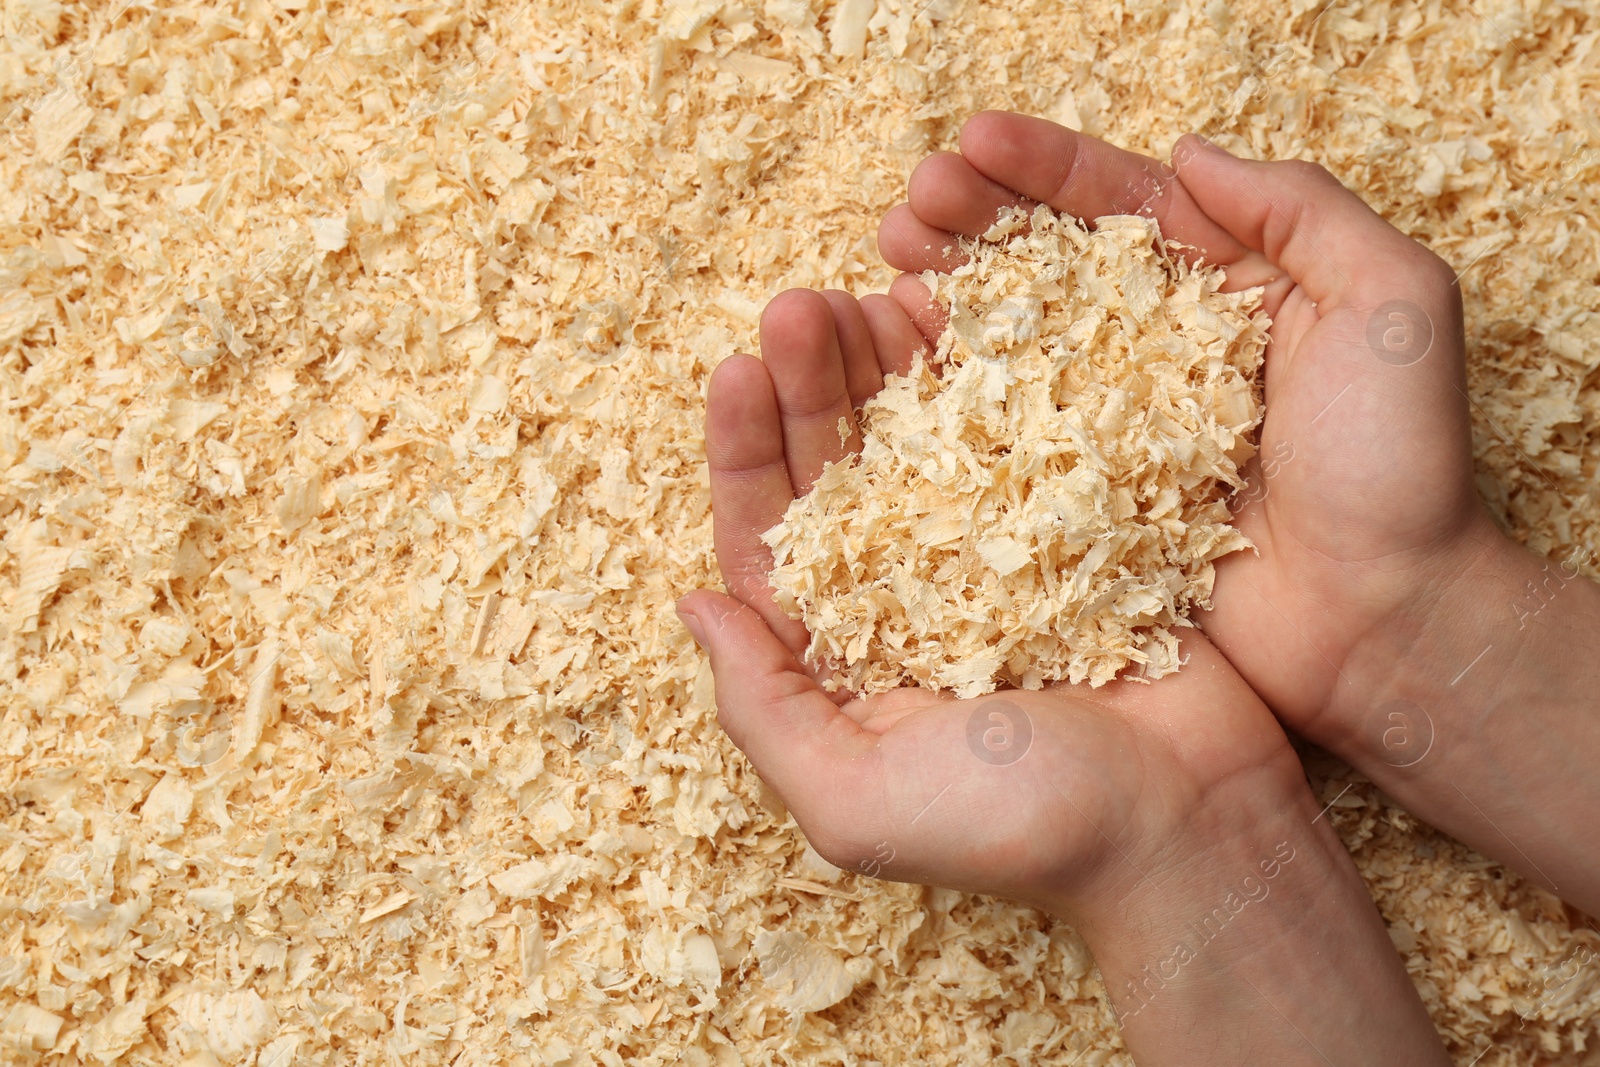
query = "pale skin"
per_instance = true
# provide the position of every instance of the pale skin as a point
(1380, 578)
(1138, 808)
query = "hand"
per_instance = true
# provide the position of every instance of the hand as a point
(894, 784)
(1346, 535)
(1129, 809)
(1380, 581)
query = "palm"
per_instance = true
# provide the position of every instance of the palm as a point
(1337, 551)
(1073, 800)
(1363, 474)
(1028, 794)
(1025, 794)
(1016, 790)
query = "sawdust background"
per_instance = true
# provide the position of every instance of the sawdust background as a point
(351, 357)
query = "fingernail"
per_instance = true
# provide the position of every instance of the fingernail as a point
(695, 628)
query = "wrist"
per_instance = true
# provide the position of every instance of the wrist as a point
(1228, 856)
(1380, 713)
(1215, 941)
(1473, 708)
(1490, 619)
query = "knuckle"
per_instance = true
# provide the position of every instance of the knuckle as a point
(746, 580)
(1307, 171)
(1434, 269)
(780, 690)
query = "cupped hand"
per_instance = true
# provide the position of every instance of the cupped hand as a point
(1065, 798)
(1361, 501)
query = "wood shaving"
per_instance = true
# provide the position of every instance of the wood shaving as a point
(1045, 499)
(380, 331)
(808, 976)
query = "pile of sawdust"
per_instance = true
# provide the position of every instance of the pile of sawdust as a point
(352, 358)
(1047, 503)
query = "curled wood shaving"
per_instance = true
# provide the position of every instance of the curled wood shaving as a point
(1044, 499)
(327, 304)
(807, 976)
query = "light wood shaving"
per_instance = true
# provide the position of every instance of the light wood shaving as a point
(1044, 501)
(220, 427)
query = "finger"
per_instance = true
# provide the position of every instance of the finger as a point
(1301, 218)
(750, 487)
(948, 193)
(906, 242)
(862, 375)
(1087, 178)
(920, 307)
(795, 736)
(880, 713)
(895, 337)
(800, 347)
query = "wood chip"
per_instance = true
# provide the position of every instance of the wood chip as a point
(1045, 499)
(380, 331)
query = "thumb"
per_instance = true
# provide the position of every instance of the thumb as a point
(796, 737)
(1303, 220)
